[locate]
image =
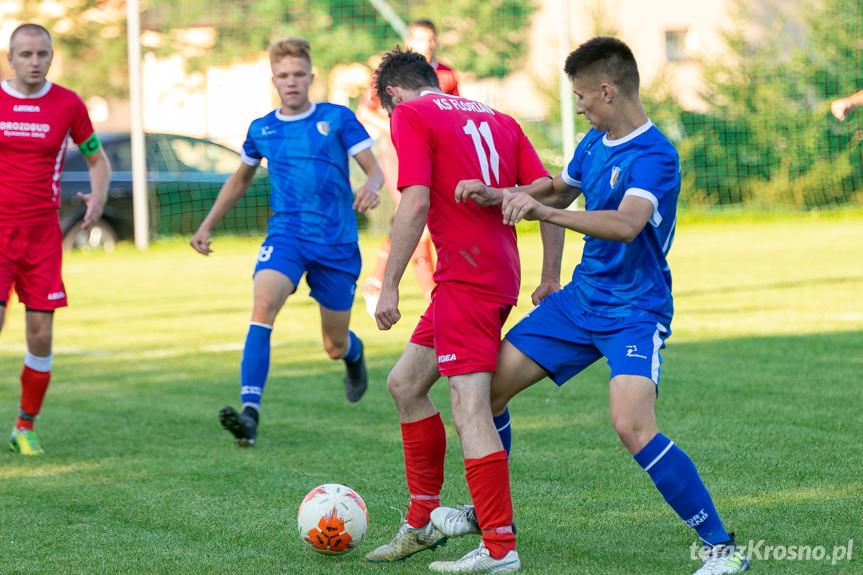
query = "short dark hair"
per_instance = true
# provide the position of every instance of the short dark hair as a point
(405, 69)
(28, 27)
(606, 56)
(423, 23)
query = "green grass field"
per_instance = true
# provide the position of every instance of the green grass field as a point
(761, 386)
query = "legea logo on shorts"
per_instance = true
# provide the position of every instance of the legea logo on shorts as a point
(56, 295)
(446, 357)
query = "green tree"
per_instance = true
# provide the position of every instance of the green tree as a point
(90, 46)
(768, 138)
(486, 38)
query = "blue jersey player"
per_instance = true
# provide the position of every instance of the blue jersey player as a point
(618, 304)
(312, 231)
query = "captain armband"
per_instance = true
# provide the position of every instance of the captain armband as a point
(90, 146)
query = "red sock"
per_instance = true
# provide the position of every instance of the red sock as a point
(34, 384)
(425, 447)
(488, 481)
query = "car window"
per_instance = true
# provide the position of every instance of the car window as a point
(120, 155)
(204, 156)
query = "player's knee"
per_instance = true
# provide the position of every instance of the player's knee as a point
(335, 350)
(400, 388)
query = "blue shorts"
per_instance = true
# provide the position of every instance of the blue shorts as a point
(331, 270)
(564, 339)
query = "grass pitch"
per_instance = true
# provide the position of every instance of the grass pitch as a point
(761, 387)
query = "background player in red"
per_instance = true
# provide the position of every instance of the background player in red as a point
(440, 140)
(422, 39)
(36, 120)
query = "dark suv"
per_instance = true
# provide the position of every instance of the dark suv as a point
(184, 176)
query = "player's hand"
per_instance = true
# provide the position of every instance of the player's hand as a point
(477, 191)
(201, 242)
(519, 206)
(545, 288)
(387, 311)
(95, 204)
(366, 198)
(839, 108)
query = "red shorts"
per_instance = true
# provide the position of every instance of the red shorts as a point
(31, 258)
(463, 329)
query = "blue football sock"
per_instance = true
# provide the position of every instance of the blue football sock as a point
(678, 481)
(255, 364)
(355, 348)
(504, 430)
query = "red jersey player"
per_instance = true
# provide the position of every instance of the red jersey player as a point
(441, 140)
(36, 120)
(421, 38)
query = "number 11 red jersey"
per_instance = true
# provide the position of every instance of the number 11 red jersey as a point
(443, 139)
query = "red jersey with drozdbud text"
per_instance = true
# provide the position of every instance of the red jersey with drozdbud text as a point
(443, 139)
(34, 131)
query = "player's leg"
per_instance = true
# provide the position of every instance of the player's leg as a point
(424, 443)
(632, 397)
(40, 288)
(544, 343)
(35, 378)
(278, 270)
(332, 276)
(515, 372)
(342, 343)
(467, 340)
(271, 290)
(487, 474)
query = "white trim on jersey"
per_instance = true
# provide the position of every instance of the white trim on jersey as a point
(357, 148)
(302, 116)
(569, 181)
(249, 161)
(7, 87)
(58, 164)
(656, 219)
(630, 136)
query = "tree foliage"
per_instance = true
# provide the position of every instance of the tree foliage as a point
(768, 138)
(89, 45)
(484, 37)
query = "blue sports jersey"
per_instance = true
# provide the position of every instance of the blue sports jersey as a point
(615, 279)
(307, 157)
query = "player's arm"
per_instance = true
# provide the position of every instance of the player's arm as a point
(366, 196)
(100, 178)
(842, 106)
(621, 225)
(552, 255)
(556, 192)
(408, 223)
(231, 193)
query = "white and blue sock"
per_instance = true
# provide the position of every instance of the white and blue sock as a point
(355, 348)
(504, 430)
(677, 479)
(255, 365)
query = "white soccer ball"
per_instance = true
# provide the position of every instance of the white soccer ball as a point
(332, 519)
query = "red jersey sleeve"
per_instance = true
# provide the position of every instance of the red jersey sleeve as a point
(80, 127)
